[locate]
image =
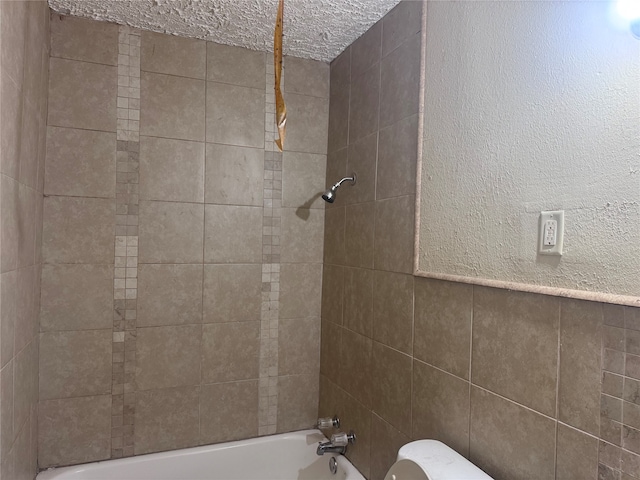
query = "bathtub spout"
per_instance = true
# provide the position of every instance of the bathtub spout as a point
(328, 447)
(338, 443)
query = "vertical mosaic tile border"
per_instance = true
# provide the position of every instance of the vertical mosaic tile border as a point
(271, 225)
(125, 282)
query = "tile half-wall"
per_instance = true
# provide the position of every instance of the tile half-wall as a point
(183, 255)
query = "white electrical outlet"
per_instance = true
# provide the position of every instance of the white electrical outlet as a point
(551, 233)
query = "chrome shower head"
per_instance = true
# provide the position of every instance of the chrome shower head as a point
(330, 195)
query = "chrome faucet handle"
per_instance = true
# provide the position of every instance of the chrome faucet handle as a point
(327, 422)
(342, 439)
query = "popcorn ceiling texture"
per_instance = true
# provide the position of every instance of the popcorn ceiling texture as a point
(317, 29)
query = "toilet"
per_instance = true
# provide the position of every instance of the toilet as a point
(432, 460)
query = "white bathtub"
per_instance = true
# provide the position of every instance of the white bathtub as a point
(290, 456)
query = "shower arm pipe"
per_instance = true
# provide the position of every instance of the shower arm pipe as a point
(351, 179)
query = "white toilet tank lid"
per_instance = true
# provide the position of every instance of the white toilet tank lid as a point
(440, 462)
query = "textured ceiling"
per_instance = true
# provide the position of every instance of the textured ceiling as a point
(318, 29)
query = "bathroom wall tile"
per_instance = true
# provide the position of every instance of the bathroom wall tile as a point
(397, 154)
(6, 411)
(77, 38)
(394, 234)
(337, 170)
(232, 293)
(612, 384)
(82, 95)
(303, 180)
(366, 50)
(297, 402)
(27, 201)
(332, 293)
(235, 65)
(168, 356)
(385, 449)
(400, 83)
(8, 314)
(75, 364)
(302, 235)
(509, 327)
(393, 310)
(166, 419)
(358, 300)
(78, 230)
(440, 407)
(580, 359)
(632, 366)
(30, 132)
(306, 77)
(504, 452)
(9, 190)
(228, 411)
(171, 170)
(74, 430)
(359, 234)
(233, 234)
(235, 115)
(631, 414)
(171, 232)
(230, 351)
(631, 391)
(613, 338)
(443, 315)
(298, 346)
(172, 107)
(340, 76)
(355, 375)
(630, 464)
(80, 163)
(25, 385)
(334, 236)
(632, 318)
(577, 454)
(307, 124)
(181, 285)
(362, 158)
(400, 24)
(173, 55)
(234, 175)
(351, 412)
(631, 439)
(364, 104)
(330, 344)
(22, 470)
(11, 118)
(632, 341)
(14, 20)
(300, 288)
(391, 392)
(76, 297)
(27, 305)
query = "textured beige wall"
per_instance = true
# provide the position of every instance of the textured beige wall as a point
(205, 325)
(525, 385)
(24, 28)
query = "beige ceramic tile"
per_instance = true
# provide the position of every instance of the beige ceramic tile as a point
(307, 124)
(334, 236)
(30, 134)
(76, 297)
(385, 449)
(235, 115)
(235, 65)
(330, 344)
(233, 234)
(228, 411)
(78, 230)
(303, 180)
(340, 77)
(75, 364)
(169, 295)
(6, 411)
(364, 104)
(235, 175)
(297, 402)
(173, 55)
(171, 232)
(9, 190)
(302, 237)
(230, 351)
(172, 107)
(366, 50)
(332, 293)
(440, 407)
(166, 419)
(400, 82)
(577, 454)
(630, 464)
(580, 360)
(25, 385)
(28, 296)
(359, 234)
(515, 346)
(393, 310)
(299, 346)
(22, 467)
(355, 374)
(362, 159)
(232, 293)
(171, 170)
(168, 356)
(337, 170)
(353, 413)
(80, 163)
(83, 39)
(397, 154)
(443, 325)
(11, 117)
(74, 430)
(8, 312)
(395, 234)
(27, 204)
(400, 24)
(358, 300)
(82, 95)
(306, 77)
(300, 290)
(391, 381)
(14, 22)
(503, 451)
